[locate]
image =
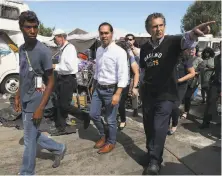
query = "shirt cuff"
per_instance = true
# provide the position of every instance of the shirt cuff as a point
(121, 85)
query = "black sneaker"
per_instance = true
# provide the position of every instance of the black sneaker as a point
(58, 131)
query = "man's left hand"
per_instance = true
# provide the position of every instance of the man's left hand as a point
(202, 29)
(37, 116)
(115, 99)
(53, 66)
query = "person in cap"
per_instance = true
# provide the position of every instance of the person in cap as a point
(35, 66)
(159, 57)
(66, 84)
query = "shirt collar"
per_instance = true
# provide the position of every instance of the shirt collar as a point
(109, 46)
(156, 44)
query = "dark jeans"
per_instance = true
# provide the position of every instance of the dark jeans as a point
(176, 111)
(211, 107)
(155, 120)
(103, 97)
(187, 98)
(122, 104)
(65, 87)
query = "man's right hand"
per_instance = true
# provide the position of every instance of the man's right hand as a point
(17, 104)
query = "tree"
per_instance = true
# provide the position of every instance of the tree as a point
(200, 12)
(45, 31)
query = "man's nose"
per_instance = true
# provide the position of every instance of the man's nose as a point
(32, 30)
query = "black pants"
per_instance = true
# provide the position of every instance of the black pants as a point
(176, 111)
(187, 98)
(211, 107)
(122, 104)
(65, 87)
(155, 120)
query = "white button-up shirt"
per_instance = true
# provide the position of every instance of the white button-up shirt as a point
(68, 60)
(111, 66)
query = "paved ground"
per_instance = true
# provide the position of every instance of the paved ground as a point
(189, 151)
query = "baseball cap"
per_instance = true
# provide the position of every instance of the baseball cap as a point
(58, 32)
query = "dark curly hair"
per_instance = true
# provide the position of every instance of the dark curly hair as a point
(151, 17)
(29, 16)
(208, 50)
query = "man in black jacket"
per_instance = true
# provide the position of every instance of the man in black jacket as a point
(159, 57)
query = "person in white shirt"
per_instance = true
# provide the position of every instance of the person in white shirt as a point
(111, 76)
(133, 51)
(66, 68)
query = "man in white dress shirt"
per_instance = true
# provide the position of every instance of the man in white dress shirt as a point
(66, 83)
(111, 76)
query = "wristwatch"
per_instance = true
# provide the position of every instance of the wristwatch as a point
(136, 87)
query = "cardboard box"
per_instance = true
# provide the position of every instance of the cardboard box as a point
(82, 101)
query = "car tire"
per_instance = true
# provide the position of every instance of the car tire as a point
(10, 84)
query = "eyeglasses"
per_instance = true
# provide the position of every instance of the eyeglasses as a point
(30, 27)
(128, 39)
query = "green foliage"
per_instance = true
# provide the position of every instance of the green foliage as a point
(44, 31)
(200, 12)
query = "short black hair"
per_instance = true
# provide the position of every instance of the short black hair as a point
(106, 24)
(128, 35)
(208, 50)
(29, 16)
(151, 17)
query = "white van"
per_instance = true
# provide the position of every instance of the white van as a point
(9, 65)
(209, 41)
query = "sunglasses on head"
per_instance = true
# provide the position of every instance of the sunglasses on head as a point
(30, 27)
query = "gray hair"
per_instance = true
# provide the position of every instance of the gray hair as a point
(151, 17)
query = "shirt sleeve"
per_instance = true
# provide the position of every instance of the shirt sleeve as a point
(189, 63)
(70, 57)
(122, 69)
(187, 42)
(47, 60)
(132, 60)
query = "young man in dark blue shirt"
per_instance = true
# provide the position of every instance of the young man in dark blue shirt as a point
(158, 57)
(35, 70)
